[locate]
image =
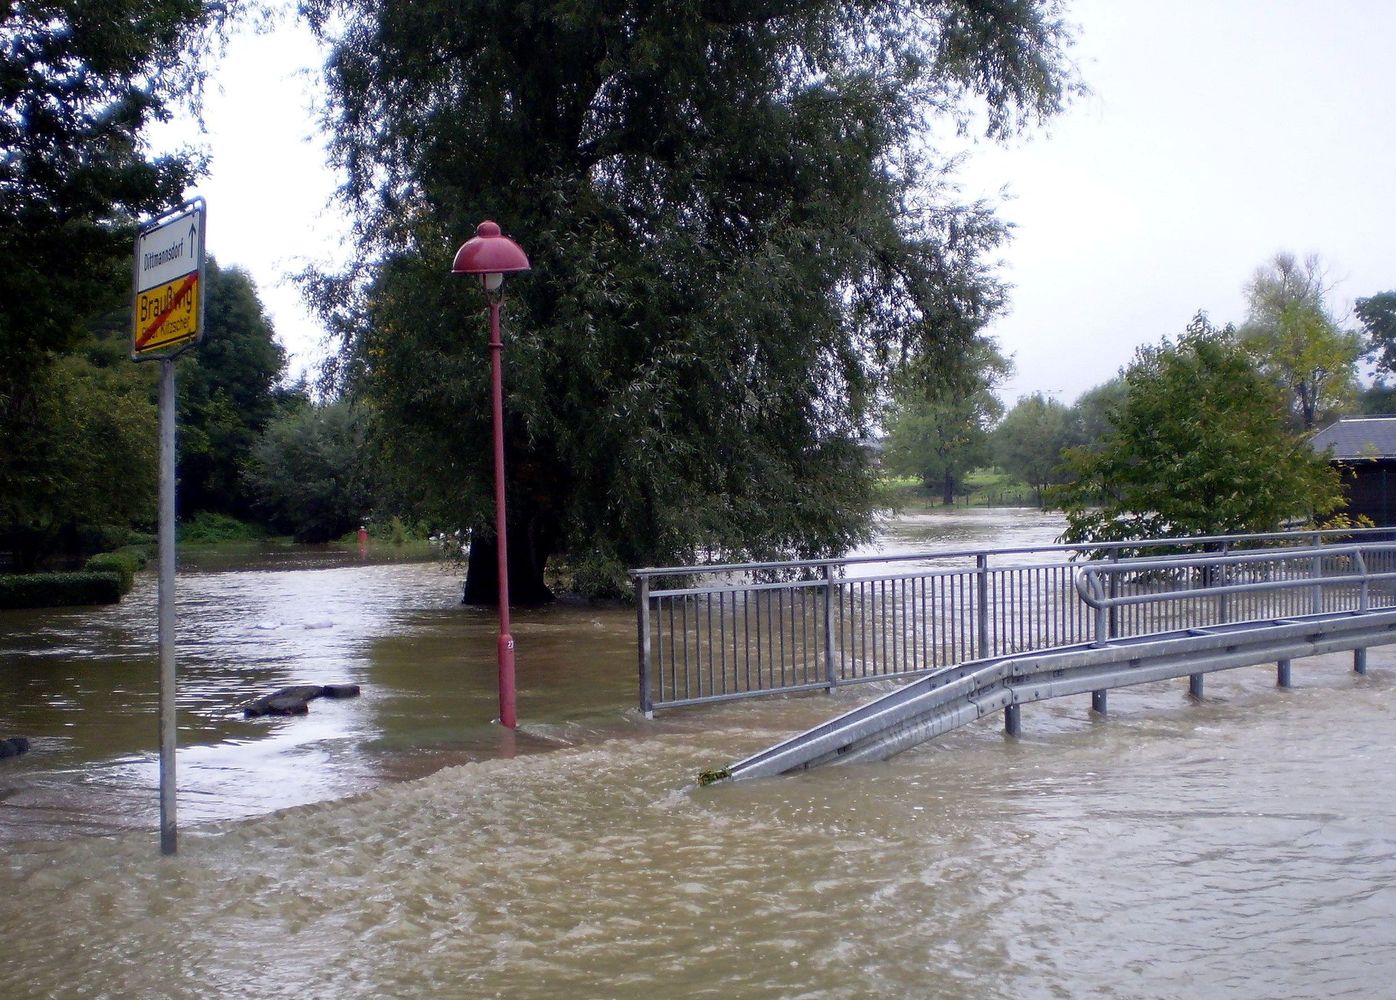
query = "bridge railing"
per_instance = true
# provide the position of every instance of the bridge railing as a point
(1238, 586)
(720, 632)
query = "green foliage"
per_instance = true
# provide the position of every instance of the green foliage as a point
(123, 564)
(601, 576)
(1378, 399)
(938, 432)
(208, 528)
(1377, 314)
(1295, 340)
(1028, 442)
(80, 450)
(1092, 416)
(308, 473)
(79, 85)
(140, 553)
(227, 395)
(1200, 447)
(738, 233)
(59, 590)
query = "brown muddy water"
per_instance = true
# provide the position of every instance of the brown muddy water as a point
(400, 844)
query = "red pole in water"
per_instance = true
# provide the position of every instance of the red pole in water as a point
(490, 255)
(506, 641)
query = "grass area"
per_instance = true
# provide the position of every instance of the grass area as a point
(996, 488)
(987, 487)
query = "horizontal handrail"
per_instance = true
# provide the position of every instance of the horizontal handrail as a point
(649, 572)
(1091, 589)
(819, 581)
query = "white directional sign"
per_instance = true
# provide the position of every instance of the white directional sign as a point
(167, 314)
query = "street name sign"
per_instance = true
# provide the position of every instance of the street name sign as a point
(168, 306)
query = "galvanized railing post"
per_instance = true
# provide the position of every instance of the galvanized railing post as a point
(1364, 599)
(1316, 592)
(642, 625)
(1359, 656)
(1114, 613)
(829, 674)
(981, 563)
(1104, 627)
(1223, 602)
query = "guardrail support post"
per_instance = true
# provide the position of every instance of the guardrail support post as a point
(1282, 674)
(1195, 686)
(829, 628)
(1013, 720)
(1098, 701)
(642, 625)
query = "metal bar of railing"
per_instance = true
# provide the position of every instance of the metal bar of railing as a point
(1083, 547)
(642, 627)
(1362, 577)
(897, 624)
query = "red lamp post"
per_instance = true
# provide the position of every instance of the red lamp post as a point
(491, 255)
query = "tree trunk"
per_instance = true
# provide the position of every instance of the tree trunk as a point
(526, 561)
(947, 493)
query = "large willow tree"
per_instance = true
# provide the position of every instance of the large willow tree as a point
(739, 227)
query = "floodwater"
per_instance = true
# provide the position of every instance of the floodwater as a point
(400, 844)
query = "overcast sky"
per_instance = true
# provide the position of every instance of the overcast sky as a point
(1217, 133)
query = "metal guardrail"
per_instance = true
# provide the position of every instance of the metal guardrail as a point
(951, 698)
(1243, 586)
(729, 631)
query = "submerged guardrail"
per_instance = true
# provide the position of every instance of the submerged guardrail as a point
(708, 634)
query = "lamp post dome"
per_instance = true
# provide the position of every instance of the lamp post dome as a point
(491, 255)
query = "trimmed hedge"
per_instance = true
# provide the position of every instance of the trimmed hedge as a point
(123, 564)
(59, 590)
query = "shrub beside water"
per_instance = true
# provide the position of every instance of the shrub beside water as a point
(123, 564)
(207, 528)
(60, 590)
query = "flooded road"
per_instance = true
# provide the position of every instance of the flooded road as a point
(1244, 846)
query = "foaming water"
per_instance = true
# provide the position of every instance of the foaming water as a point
(1242, 846)
(1178, 849)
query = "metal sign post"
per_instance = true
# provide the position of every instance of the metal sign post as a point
(167, 318)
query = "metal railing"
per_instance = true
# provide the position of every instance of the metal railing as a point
(938, 703)
(723, 632)
(1241, 586)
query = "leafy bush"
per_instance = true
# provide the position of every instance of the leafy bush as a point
(208, 528)
(140, 554)
(123, 564)
(601, 576)
(309, 476)
(59, 590)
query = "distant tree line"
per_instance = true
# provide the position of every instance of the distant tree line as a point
(80, 86)
(1206, 432)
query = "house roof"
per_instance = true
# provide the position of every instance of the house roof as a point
(1358, 437)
